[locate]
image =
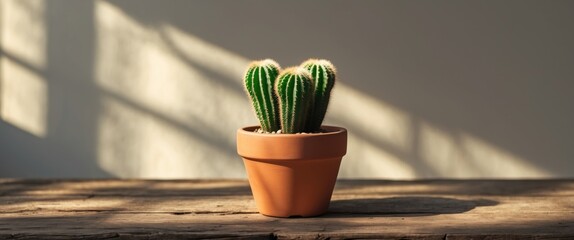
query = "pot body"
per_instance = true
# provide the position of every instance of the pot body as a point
(292, 174)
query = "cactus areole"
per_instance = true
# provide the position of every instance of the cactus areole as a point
(293, 100)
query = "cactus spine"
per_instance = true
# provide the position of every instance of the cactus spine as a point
(323, 74)
(259, 83)
(294, 89)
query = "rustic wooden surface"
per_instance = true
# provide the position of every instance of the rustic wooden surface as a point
(139, 209)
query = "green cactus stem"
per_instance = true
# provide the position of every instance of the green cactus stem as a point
(323, 74)
(259, 83)
(294, 88)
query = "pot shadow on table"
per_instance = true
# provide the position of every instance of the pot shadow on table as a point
(406, 206)
(452, 187)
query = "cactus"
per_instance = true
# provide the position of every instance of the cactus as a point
(294, 100)
(323, 73)
(294, 89)
(259, 83)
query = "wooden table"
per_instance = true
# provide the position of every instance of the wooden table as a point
(140, 209)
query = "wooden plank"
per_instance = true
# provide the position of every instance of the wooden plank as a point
(358, 204)
(331, 224)
(138, 209)
(127, 188)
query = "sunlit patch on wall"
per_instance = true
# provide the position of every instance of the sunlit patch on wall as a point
(493, 161)
(367, 160)
(157, 67)
(133, 143)
(438, 150)
(160, 102)
(204, 53)
(23, 31)
(386, 142)
(370, 117)
(24, 96)
(462, 155)
(23, 91)
(380, 134)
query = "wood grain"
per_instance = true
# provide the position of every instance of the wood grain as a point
(224, 209)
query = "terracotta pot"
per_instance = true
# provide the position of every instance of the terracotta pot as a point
(292, 174)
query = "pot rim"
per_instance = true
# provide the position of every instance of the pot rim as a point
(328, 145)
(330, 130)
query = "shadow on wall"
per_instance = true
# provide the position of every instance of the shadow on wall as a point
(48, 105)
(149, 89)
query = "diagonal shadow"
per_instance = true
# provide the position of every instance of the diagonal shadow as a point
(454, 187)
(405, 206)
(213, 140)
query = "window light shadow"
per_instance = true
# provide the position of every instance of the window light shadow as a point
(391, 142)
(23, 88)
(153, 97)
(163, 111)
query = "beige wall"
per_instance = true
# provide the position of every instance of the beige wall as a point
(152, 89)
